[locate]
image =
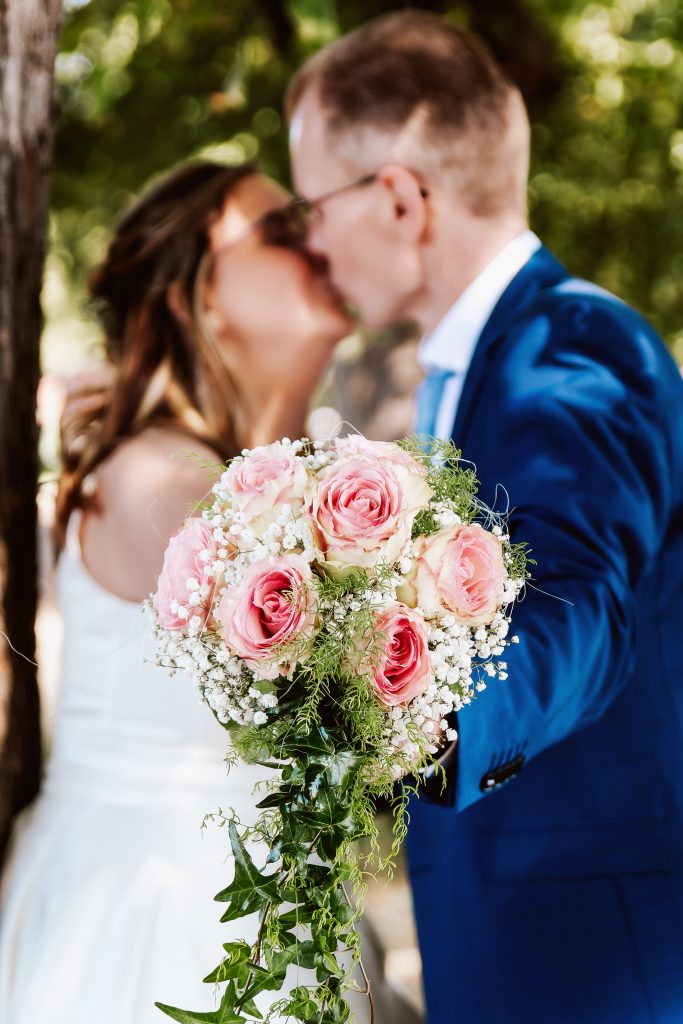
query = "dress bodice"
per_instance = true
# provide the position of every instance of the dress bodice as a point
(125, 727)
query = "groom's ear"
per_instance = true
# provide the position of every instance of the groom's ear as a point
(409, 200)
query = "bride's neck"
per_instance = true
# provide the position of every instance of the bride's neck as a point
(272, 415)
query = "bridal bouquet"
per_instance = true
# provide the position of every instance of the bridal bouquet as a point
(336, 604)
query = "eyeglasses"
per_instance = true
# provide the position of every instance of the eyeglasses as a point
(289, 225)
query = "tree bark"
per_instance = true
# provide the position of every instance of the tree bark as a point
(280, 22)
(28, 42)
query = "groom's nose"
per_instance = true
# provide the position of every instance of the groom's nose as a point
(315, 242)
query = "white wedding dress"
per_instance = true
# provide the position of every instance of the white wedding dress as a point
(107, 899)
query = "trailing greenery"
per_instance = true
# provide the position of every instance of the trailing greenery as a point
(307, 910)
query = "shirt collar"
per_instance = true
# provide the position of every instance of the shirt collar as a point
(451, 344)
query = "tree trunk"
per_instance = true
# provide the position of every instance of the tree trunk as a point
(28, 41)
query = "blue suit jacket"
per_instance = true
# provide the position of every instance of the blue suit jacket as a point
(556, 893)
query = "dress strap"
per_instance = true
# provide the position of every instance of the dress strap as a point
(72, 542)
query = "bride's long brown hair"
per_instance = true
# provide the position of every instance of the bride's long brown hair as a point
(167, 369)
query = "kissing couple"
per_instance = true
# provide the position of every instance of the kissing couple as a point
(546, 875)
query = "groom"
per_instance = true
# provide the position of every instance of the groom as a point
(549, 890)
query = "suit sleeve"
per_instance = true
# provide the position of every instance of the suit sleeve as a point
(583, 456)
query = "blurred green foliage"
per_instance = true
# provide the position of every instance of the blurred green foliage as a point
(146, 83)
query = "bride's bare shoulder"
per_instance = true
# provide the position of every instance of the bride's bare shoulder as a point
(155, 470)
(144, 491)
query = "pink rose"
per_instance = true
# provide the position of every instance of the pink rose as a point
(273, 604)
(265, 478)
(184, 578)
(403, 669)
(356, 444)
(459, 571)
(364, 511)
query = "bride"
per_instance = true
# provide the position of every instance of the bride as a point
(218, 332)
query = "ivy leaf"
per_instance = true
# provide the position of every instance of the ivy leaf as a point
(339, 906)
(314, 778)
(332, 818)
(292, 842)
(302, 914)
(185, 1016)
(249, 889)
(188, 1017)
(275, 853)
(226, 1011)
(326, 813)
(330, 841)
(250, 1007)
(300, 1006)
(271, 979)
(233, 965)
(304, 954)
(337, 1012)
(276, 799)
(340, 768)
(327, 964)
(314, 743)
(225, 1014)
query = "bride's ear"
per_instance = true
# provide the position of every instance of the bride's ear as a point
(177, 304)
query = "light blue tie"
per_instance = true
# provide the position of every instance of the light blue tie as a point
(429, 397)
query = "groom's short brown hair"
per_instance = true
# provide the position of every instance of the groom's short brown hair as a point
(415, 76)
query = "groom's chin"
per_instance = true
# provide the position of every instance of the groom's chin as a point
(385, 322)
(371, 317)
(378, 315)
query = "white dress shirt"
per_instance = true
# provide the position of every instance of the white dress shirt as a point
(451, 344)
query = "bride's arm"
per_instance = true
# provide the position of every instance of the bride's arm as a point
(143, 493)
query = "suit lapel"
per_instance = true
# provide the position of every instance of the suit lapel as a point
(540, 272)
